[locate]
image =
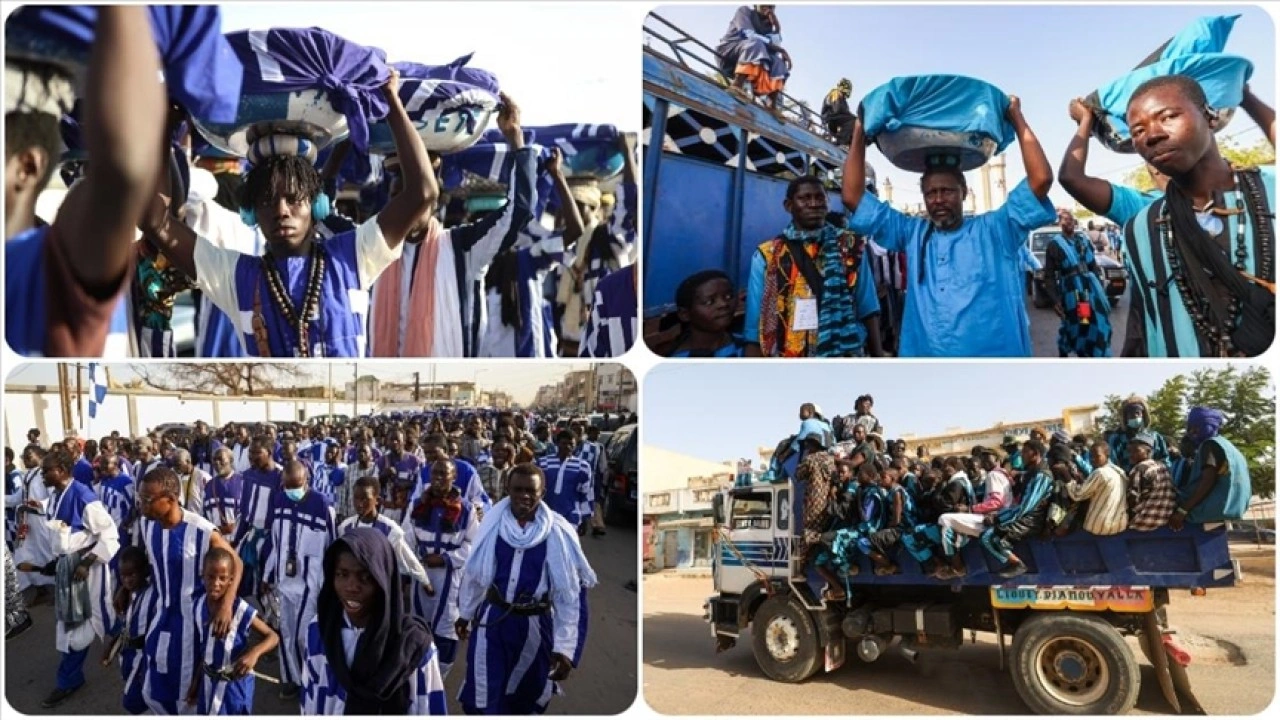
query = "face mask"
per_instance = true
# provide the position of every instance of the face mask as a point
(295, 494)
(1135, 423)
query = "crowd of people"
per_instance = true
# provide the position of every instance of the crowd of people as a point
(366, 553)
(865, 496)
(276, 268)
(870, 279)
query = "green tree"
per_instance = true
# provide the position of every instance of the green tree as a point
(1260, 153)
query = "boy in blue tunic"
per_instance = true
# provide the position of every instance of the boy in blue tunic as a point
(222, 683)
(136, 605)
(964, 275)
(63, 280)
(303, 298)
(1202, 258)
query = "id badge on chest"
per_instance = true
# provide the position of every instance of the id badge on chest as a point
(805, 316)
(291, 565)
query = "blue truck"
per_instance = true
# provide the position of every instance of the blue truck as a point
(1067, 618)
(715, 167)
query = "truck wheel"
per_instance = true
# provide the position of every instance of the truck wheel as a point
(785, 640)
(1066, 664)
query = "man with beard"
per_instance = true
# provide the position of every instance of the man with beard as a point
(1202, 258)
(964, 275)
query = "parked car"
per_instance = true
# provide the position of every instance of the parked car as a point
(622, 453)
(1248, 532)
(1115, 276)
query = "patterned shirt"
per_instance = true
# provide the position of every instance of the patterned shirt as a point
(1152, 498)
(1105, 490)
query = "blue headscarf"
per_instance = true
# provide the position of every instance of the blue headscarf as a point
(1204, 423)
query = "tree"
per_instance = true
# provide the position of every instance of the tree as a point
(259, 378)
(1245, 395)
(1260, 153)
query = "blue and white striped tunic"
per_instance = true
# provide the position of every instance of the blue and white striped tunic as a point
(323, 695)
(299, 532)
(117, 494)
(177, 559)
(614, 322)
(223, 697)
(570, 489)
(431, 537)
(509, 655)
(144, 607)
(326, 479)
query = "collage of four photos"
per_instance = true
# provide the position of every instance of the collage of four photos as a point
(329, 336)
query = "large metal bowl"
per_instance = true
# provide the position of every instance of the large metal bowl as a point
(307, 113)
(909, 146)
(443, 131)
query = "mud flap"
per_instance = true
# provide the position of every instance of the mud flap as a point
(1154, 649)
(1182, 683)
(834, 654)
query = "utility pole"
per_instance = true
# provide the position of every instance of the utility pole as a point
(79, 397)
(64, 397)
(355, 390)
(331, 391)
(417, 387)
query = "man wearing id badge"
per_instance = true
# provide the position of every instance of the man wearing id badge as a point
(811, 292)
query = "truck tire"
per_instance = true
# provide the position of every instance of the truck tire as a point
(785, 640)
(1070, 664)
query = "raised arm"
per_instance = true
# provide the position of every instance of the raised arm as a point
(573, 225)
(1039, 172)
(854, 182)
(1091, 192)
(1262, 113)
(411, 206)
(124, 139)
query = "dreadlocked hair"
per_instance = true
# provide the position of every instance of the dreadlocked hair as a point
(504, 277)
(280, 176)
(24, 130)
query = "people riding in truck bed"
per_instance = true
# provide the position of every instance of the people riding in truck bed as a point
(751, 53)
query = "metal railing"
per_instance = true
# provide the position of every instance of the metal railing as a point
(701, 59)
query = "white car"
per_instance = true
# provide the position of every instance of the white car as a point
(1115, 276)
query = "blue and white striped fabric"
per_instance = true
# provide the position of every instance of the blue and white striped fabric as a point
(298, 533)
(117, 494)
(283, 60)
(326, 479)
(222, 499)
(322, 694)
(144, 607)
(200, 70)
(97, 387)
(450, 104)
(589, 150)
(570, 488)
(509, 655)
(592, 452)
(223, 697)
(430, 536)
(614, 322)
(467, 481)
(536, 336)
(177, 559)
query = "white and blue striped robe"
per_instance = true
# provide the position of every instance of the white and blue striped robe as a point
(614, 323)
(144, 607)
(323, 695)
(304, 530)
(223, 697)
(117, 495)
(326, 478)
(256, 490)
(441, 610)
(177, 559)
(570, 488)
(509, 655)
(405, 558)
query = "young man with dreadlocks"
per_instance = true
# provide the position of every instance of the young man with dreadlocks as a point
(303, 298)
(1202, 257)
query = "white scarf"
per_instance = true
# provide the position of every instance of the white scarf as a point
(567, 565)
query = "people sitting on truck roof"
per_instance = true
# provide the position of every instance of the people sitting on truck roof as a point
(853, 539)
(816, 472)
(1073, 284)
(1218, 486)
(1024, 519)
(1152, 498)
(899, 517)
(812, 424)
(956, 528)
(705, 303)
(1061, 441)
(810, 291)
(837, 118)
(1135, 418)
(964, 274)
(1104, 493)
(751, 52)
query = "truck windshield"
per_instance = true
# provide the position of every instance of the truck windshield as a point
(751, 511)
(1040, 241)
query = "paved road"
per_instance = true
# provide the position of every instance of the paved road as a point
(1231, 634)
(606, 684)
(1045, 322)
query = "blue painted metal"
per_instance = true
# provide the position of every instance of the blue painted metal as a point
(652, 165)
(733, 233)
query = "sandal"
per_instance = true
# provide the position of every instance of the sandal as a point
(829, 595)
(886, 570)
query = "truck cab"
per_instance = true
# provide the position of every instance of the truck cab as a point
(1067, 617)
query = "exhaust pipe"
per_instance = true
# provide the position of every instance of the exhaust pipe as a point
(911, 655)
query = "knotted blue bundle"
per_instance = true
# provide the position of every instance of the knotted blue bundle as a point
(201, 71)
(912, 118)
(450, 104)
(1197, 52)
(281, 63)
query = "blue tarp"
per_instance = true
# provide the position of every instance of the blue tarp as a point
(938, 102)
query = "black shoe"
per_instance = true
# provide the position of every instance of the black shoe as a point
(18, 629)
(288, 691)
(59, 696)
(1013, 569)
(597, 532)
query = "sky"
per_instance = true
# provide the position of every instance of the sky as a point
(1046, 55)
(718, 411)
(519, 379)
(554, 70)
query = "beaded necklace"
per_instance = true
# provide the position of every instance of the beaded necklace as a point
(299, 321)
(1197, 304)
